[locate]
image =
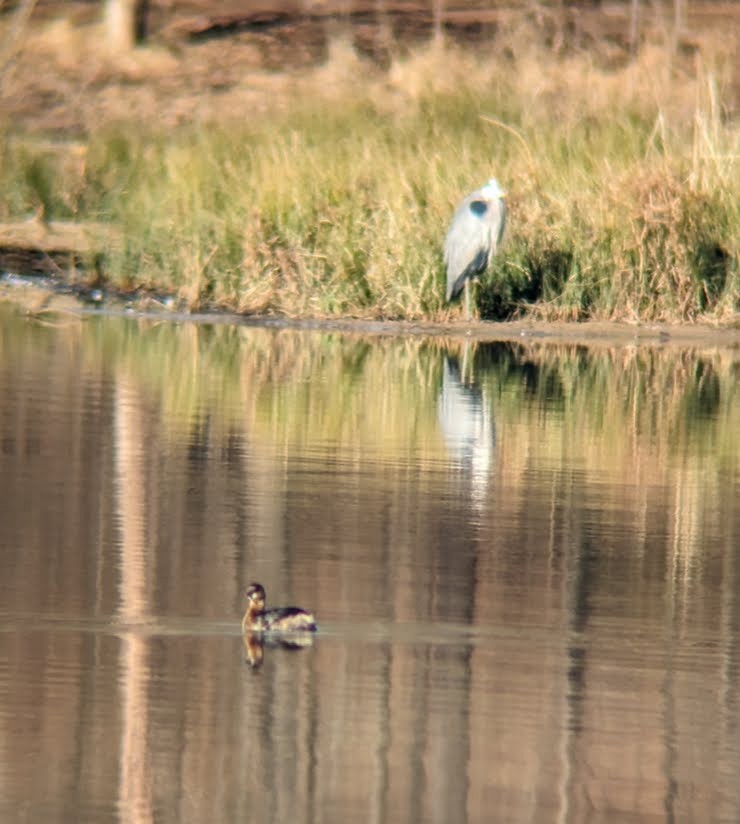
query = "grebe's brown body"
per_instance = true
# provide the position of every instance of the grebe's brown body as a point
(280, 619)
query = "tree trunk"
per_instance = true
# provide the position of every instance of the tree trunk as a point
(125, 22)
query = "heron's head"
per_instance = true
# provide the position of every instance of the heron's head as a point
(492, 189)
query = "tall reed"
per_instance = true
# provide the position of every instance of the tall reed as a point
(624, 192)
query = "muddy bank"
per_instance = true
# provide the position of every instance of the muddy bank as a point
(47, 302)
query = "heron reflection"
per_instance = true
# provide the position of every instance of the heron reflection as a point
(466, 421)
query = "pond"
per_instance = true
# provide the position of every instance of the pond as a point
(524, 559)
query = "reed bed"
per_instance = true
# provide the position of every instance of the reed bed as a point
(623, 189)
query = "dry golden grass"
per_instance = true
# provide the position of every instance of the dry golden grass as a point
(622, 176)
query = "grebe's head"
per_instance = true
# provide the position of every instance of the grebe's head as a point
(256, 595)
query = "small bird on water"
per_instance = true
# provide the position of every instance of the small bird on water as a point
(279, 619)
(473, 237)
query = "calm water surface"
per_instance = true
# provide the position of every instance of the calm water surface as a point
(524, 560)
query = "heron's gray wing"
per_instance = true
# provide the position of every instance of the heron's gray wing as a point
(467, 246)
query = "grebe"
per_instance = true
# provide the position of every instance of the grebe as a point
(280, 619)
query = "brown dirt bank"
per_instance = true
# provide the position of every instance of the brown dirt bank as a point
(206, 61)
(42, 302)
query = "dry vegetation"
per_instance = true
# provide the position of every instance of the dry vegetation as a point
(324, 190)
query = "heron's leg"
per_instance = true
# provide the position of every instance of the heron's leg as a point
(467, 299)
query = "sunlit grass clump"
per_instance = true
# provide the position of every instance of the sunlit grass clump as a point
(624, 192)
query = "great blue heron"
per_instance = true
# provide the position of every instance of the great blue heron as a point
(474, 235)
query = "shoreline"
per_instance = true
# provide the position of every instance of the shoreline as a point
(38, 300)
(332, 198)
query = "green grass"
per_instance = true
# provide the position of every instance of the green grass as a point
(623, 203)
